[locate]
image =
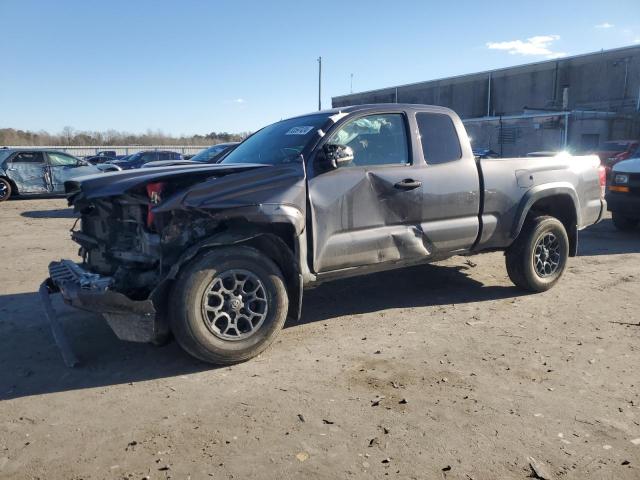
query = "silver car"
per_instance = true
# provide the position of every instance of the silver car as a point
(41, 172)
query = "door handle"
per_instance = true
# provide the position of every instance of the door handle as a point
(408, 184)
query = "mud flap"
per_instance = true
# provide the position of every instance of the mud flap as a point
(59, 336)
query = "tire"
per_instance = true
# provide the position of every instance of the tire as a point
(210, 335)
(624, 223)
(5, 189)
(538, 273)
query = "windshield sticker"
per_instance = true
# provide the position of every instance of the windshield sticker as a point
(299, 130)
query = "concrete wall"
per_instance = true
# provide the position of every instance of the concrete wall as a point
(594, 82)
(607, 81)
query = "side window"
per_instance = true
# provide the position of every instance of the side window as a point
(29, 157)
(440, 143)
(375, 140)
(149, 157)
(57, 159)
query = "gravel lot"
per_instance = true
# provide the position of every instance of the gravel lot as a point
(441, 371)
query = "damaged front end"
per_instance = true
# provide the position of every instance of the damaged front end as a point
(120, 273)
(136, 232)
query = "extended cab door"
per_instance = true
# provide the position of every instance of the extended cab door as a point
(451, 183)
(368, 212)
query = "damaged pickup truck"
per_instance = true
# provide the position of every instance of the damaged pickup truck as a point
(219, 255)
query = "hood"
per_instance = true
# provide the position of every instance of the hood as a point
(631, 165)
(273, 186)
(168, 163)
(82, 171)
(117, 183)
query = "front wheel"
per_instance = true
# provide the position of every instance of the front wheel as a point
(228, 305)
(623, 223)
(538, 257)
(5, 189)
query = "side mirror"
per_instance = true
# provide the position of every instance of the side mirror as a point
(335, 156)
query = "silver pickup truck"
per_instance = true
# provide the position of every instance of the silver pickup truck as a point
(219, 255)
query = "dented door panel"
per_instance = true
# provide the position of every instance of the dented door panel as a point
(29, 176)
(60, 174)
(361, 218)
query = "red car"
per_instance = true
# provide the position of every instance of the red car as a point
(615, 151)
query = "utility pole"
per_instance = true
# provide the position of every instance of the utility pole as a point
(319, 83)
(351, 83)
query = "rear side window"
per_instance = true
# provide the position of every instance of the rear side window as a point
(440, 143)
(29, 157)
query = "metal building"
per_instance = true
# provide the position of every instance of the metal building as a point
(576, 102)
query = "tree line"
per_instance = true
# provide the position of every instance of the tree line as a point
(76, 138)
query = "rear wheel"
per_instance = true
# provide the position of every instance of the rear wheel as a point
(623, 223)
(538, 257)
(228, 305)
(5, 189)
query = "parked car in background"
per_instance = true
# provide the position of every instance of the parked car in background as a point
(212, 154)
(615, 151)
(483, 153)
(623, 194)
(102, 157)
(32, 172)
(138, 159)
(106, 153)
(219, 254)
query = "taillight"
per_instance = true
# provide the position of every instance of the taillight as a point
(602, 173)
(154, 191)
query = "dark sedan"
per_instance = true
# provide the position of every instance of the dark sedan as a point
(139, 159)
(212, 154)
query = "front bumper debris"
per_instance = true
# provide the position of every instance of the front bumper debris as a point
(131, 320)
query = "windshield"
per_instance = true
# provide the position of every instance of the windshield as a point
(131, 157)
(4, 154)
(278, 143)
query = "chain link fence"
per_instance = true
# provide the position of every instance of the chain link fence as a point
(88, 151)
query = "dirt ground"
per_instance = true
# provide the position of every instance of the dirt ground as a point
(441, 371)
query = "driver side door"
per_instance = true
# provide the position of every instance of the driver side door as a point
(366, 212)
(62, 167)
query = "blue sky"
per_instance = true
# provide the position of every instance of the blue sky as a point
(199, 66)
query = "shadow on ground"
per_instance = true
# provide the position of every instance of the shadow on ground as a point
(30, 363)
(58, 213)
(605, 239)
(422, 286)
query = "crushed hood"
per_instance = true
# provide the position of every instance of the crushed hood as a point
(117, 183)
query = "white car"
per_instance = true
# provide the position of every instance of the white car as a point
(623, 194)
